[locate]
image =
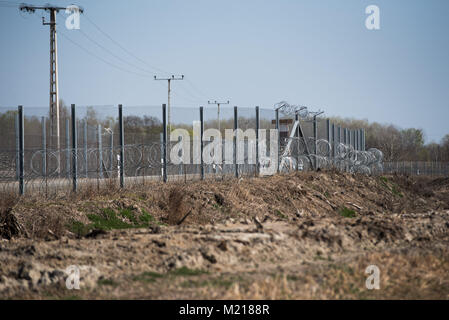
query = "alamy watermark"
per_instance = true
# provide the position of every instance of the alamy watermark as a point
(73, 277)
(218, 150)
(72, 22)
(372, 22)
(373, 280)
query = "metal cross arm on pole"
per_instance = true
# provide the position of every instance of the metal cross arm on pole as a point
(218, 110)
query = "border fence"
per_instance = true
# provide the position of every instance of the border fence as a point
(129, 145)
(418, 168)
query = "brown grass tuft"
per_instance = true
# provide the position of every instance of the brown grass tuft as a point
(176, 205)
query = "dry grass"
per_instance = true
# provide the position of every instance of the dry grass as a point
(176, 205)
(277, 288)
(9, 226)
(8, 200)
(204, 202)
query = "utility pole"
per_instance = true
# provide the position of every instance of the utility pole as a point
(54, 92)
(218, 110)
(169, 79)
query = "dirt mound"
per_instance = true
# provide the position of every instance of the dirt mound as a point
(281, 197)
(302, 235)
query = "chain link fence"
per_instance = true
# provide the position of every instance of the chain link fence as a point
(100, 145)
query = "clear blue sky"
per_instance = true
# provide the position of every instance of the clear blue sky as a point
(310, 52)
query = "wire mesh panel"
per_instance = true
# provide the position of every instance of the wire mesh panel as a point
(223, 121)
(417, 168)
(246, 122)
(8, 149)
(183, 154)
(47, 151)
(84, 149)
(97, 140)
(143, 142)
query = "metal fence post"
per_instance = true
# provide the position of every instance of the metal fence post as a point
(164, 142)
(44, 149)
(21, 149)
(315, 135)
(100, 152)
(122, 145)
(111, 156)
(338, 143)
(201, 142)
(363, 140)
(279, 138)
(345, 141)
(359, 142)
(235, 141)
(257, 141)
(328, 135)
(16, 127)
(297, 140)
(85, 148)
(333, 141)
(74, 149)
(338, 135)
(67, 145)
(351, 138)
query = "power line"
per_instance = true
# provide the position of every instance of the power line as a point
(191, 94)
(143, 72)
(120, 68)
(196, 89)
(111, 53)
(123, 48)
(201, 94)
(101, 59)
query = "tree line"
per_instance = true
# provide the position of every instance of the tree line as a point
(396, 143)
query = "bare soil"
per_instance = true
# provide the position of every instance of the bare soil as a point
(296, 236)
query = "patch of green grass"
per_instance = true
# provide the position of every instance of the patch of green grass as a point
(326, 194)
(216, 282)
(108, 219)
(78, 228)
(106, 282)
(291, 277)
(280, 214)
(148, 276)
(146, 218)
(396, 192)
(186, 272)
(391, 186)
(129, 214)
(348, 213)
